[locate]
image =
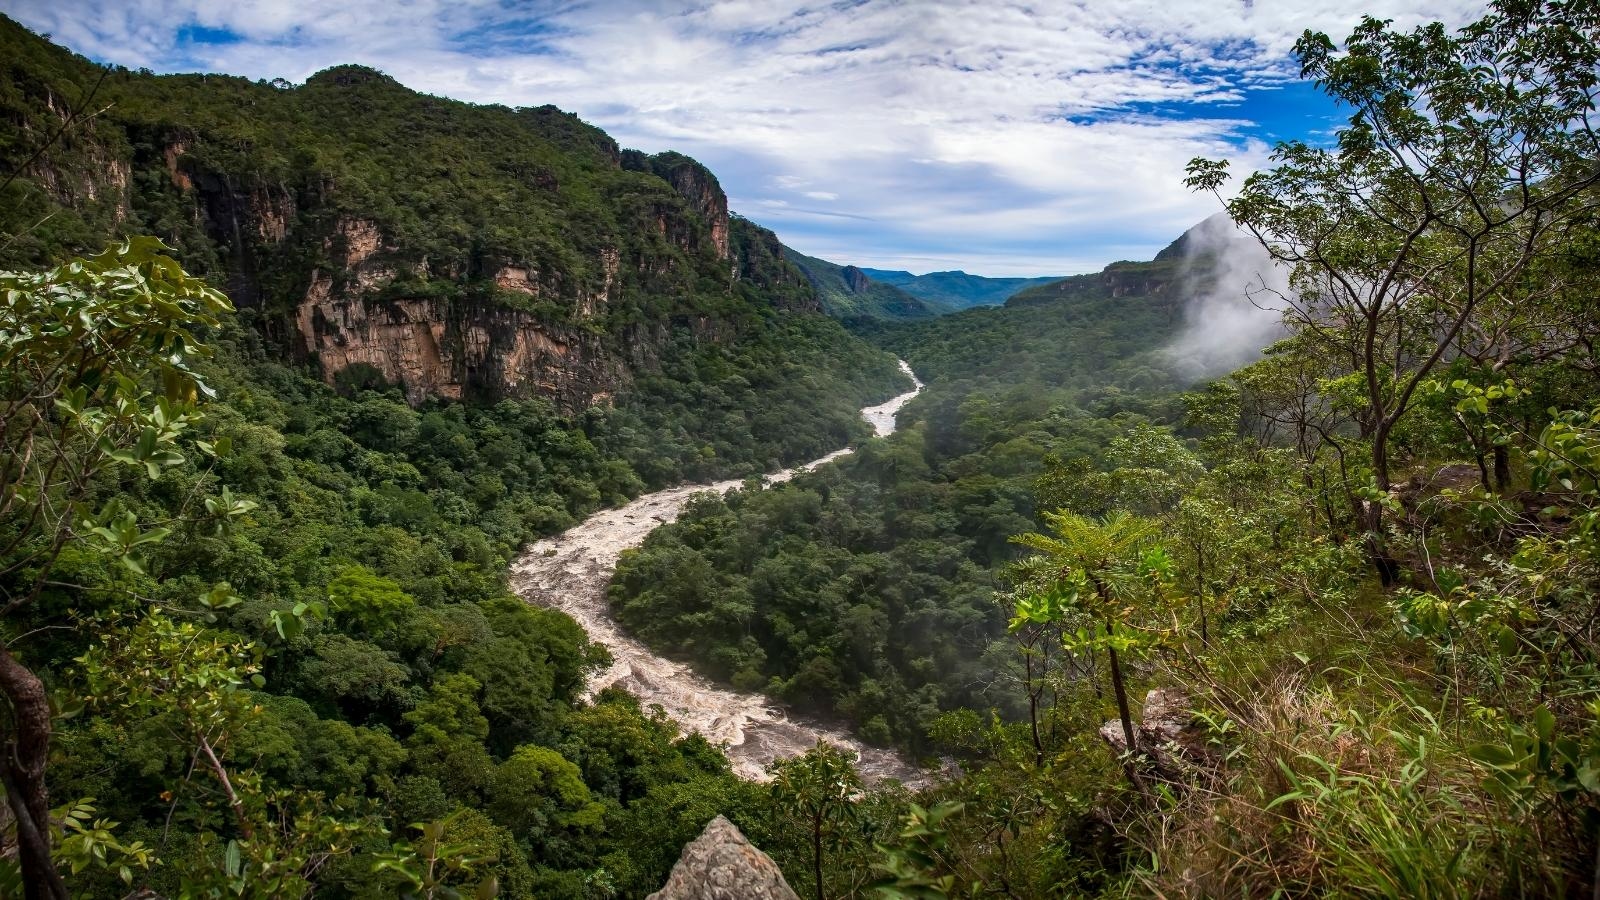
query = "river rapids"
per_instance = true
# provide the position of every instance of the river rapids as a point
(571, 571)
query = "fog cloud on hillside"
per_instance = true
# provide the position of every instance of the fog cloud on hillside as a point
(1234, 300)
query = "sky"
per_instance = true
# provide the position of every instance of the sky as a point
(1042, 137)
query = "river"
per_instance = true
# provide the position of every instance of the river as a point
(571, 571)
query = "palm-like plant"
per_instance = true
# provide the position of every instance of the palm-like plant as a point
(1092, 560)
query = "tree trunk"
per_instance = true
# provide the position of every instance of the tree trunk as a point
(1378, 545)
(28, 748)
(1033, 714)
(1118, 688)
(1372, 512)
(1502, 469)
(816, 854)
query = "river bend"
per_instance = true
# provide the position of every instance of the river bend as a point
(571, 571)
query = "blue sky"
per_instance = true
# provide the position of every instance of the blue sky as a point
(1003, 137)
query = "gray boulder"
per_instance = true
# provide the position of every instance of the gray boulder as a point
(721, 865)
(1168, 734)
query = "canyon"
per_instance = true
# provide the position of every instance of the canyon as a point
(571, 571)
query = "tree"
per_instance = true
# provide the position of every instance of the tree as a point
(365, 601)
(818, 788)
(1037, 623)
(191, 684)
(540, 796)
(1468, 157)
(450, 730)
(95, 376)
(1096, 565)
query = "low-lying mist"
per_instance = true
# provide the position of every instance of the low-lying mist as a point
(1234, 303)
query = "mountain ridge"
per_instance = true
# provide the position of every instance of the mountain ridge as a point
(850, 292)
(955, 289)
(382, 235)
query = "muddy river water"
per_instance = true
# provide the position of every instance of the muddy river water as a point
(571, 571)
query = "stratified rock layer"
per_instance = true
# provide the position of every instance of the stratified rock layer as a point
(390, 238)
(721, 865)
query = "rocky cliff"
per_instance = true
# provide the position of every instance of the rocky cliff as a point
(453, 250)
(856, 280)
(694, 183)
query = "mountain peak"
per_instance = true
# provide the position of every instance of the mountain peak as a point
(350, 74)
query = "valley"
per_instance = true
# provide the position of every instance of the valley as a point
(571, 572)
(409, 490)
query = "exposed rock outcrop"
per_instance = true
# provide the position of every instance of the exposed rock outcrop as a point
(1452, 477)
(1167, 732)
(856, 280)
(721, 864)
(431, 350)
(437, 347)
(694, 183)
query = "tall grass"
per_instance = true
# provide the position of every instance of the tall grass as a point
(1344, 774)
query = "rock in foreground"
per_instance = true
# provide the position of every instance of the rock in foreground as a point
(721, 865)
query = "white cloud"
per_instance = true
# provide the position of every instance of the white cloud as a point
(1002, 137)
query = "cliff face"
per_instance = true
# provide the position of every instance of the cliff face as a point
(439, 347)
(456, 251)
(856, 280)
(694, 183)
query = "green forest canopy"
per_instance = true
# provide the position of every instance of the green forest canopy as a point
(276, 629)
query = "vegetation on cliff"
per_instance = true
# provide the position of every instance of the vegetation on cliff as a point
(256, 622)
(1323, 626)
(256, 635)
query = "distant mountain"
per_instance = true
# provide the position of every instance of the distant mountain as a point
(1210, 250)
(1119, 279)
(957, 290)
(847, 292)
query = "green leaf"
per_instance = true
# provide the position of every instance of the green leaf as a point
(1544, 724)
(1495, 755)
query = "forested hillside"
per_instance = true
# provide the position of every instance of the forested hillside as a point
(291, 372)
(846, 292)
(256, 517)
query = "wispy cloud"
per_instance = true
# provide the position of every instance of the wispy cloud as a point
(998, 136)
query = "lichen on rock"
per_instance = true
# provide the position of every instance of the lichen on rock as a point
(721, 864)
